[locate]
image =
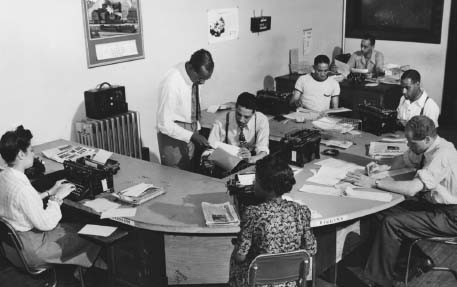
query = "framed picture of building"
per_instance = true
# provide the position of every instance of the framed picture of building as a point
(113, 31)
(397, 20)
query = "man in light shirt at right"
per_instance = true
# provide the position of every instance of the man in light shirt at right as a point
(415, 100)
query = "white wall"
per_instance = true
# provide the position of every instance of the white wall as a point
(43, 67)
(428, 59)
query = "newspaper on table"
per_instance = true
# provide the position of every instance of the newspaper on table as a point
(219, 214)
(68, 152)
(139, 193)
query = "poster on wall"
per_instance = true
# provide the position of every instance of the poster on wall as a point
(113, 31)
(307, 41)
(223, 25)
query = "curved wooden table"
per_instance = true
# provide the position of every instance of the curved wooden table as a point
(185, 250)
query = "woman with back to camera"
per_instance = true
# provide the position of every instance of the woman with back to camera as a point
(273, 226)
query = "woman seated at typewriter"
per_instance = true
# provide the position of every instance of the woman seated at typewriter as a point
(44, 239)
(274, 225)
(245, 128)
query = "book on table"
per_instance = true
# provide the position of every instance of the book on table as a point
(219, 214)
(139, 193)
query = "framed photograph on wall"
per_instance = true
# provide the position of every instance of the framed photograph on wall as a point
(113, 31)
(397, 20)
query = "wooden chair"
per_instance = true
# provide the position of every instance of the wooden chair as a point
(431, 265)
(279, 268)
(11, 248)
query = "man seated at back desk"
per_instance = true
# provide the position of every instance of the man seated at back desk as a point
(316, 91)
(245, 127)
(367, 58)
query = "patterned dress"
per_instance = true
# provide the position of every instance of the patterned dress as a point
(271, 227)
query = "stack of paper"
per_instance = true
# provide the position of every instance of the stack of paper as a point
(332, 124)
(139, 193)
(384, 149)
(332, 171)
(98, 230)
(68, 152)
(225, 156)
(222, 214)
(337, 143)
(370, 195)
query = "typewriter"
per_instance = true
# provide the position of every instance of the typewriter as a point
(273, 103)
(89, 181)
(300, 146)
(377, 120)
(243, 195)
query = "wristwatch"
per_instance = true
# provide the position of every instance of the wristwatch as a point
(56, 199)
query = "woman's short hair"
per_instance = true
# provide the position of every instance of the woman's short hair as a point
(14, 141)
(421, 127)
(273, 173)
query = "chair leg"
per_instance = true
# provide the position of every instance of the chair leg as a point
(81, 276)
(409, 260)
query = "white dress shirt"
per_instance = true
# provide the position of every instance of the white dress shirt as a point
(175, 98)
(258, 124)
(439, 171)
(22, 206)
(407, 109)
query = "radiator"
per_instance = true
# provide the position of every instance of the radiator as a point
(119, 134)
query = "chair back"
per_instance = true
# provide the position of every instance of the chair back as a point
(279, 268)
(11, 248)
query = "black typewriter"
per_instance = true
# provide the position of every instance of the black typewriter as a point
(377, 120)
(273, 103)
(243, 195)
(89, 181)
(300, 146)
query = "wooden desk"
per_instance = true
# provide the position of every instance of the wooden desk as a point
(383, 95)
(172, 245)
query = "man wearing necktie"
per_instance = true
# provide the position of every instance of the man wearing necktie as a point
(431, 206)
(178, 112)
(245, 127)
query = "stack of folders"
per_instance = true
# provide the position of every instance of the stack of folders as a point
(139, 193)
(222, 214)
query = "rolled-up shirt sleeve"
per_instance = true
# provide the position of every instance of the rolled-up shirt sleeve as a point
(433, 173)
(217, 133)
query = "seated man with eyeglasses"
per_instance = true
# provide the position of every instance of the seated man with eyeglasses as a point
(317, 91)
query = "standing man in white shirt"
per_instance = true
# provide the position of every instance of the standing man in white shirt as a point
(316, 91)
(415, 101)
(44, 239)
(178, 112)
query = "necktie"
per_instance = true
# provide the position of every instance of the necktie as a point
(242, 138)
(195, 105)
(422, 163)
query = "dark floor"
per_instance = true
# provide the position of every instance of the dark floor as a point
(349, 275)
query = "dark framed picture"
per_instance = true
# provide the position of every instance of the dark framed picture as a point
(113, 31)
(396, 20)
